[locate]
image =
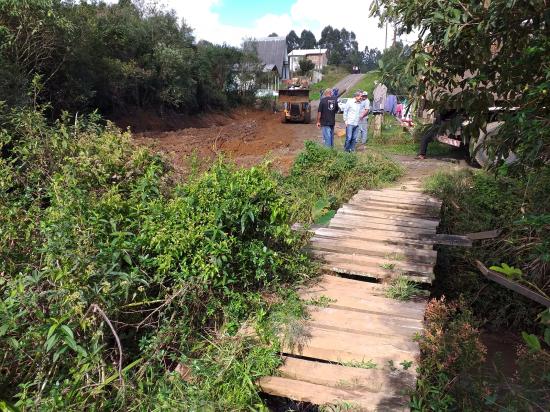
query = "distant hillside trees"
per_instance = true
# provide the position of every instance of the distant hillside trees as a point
(342, 45)
(292, 41)
(307, 40)
(113, 57)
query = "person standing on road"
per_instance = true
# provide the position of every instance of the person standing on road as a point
(326, 117)
(352, 114)
(363, 120)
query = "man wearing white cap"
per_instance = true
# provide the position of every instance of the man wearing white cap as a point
(363, 120)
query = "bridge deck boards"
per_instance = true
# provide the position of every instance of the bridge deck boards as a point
(358, 347)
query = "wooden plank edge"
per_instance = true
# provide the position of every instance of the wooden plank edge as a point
(509, 284)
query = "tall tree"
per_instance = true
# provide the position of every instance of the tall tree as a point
(307, 40)
(392, 64)
(292, 41)
(370, 58)
(473, 55)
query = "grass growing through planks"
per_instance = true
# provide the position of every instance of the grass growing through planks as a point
(322, 301)
(387, 266)
(342, 406)
(402, 288)
(395, 256)
(363, 364)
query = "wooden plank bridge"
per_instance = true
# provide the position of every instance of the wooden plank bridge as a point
(358, 350)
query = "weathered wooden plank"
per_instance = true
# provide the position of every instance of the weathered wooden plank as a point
(352, 246)
(359, 270)
(491, 234)
(340, 346)
(357, 300)
(415, 210)
(510, 284)
(356, 322)
(391, 216)
(342, 287)
(391, 213)
(323, 395)
(351, 267)
(452, 240)
(373, 234)
(395, 266)
(351, 285)
(357, 222)
(350, 378)
(385, 239)
(389, 198)
(401, 193)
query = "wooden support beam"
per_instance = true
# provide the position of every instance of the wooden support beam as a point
(510, 284)
(452, 240)
(491, 234)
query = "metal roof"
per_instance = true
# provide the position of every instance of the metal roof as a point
(270, 67)
(272, 51)
(305, 52)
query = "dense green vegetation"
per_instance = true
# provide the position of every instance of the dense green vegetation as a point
(123, 289)
(394, 139)
(470, 57)
(478, 201)
(93, 229)
(91, 55)
(474, 55)
(322, 179)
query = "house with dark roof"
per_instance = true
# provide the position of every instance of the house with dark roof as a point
(273, 53)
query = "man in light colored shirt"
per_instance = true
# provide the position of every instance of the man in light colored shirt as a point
(363, 121)
(353, 110)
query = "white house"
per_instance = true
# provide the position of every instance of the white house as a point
(317, 56)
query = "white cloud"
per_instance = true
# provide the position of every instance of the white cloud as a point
(312, 15)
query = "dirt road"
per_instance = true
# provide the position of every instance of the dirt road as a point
(245, 136)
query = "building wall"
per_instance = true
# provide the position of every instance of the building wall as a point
(320, 61)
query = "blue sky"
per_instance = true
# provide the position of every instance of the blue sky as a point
(244, 13)
(231, 21)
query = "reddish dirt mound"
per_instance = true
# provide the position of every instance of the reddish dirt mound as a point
(140, 121)
(248, 138)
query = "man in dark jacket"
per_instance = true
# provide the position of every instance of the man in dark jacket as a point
(326, 117)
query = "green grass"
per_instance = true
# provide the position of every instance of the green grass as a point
(387, 266)
(363, 364)
(333, 75)
(322, 179)
(367, 83)
(394, 139)
(402, 289)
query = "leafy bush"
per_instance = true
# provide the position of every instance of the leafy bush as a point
(111, 274)
(115, 57)
(478, 201)
(320, 173)
(450, 350)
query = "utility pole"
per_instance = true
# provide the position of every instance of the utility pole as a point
(394, 34)
(386, 39)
